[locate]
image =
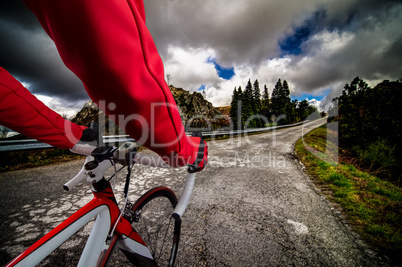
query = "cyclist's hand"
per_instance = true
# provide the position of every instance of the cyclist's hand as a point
(88, 135)
(91, 135)
(200, 158)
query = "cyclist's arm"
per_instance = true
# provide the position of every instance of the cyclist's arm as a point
(24, 113)
(108, 46)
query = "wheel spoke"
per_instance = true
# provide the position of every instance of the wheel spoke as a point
(156, 225)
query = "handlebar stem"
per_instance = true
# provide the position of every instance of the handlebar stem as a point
(97, 173)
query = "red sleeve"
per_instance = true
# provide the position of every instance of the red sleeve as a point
(108, 46)
(24, 113)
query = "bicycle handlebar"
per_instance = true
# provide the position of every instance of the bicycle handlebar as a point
(185, 196)
(156, 161)
(79, 177)
(83, 149)
(140, 158)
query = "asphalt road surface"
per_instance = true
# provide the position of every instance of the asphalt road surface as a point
(252, 206)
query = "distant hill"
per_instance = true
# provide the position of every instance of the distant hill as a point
(192, 106)
(89, 113)
(225, 110)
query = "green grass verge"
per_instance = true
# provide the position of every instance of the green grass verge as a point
(372, 206)
(16, 160)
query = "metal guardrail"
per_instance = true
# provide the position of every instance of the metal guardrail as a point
(247, 131)
(16, 145)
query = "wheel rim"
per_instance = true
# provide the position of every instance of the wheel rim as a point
(156, 225)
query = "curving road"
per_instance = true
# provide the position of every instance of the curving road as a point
(252, 206)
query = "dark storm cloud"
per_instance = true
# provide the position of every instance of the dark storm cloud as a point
(371, 48)
(31, 56)
(16, 12)
(249, 31)
(240, 31)
(326, 43)
(315, 44)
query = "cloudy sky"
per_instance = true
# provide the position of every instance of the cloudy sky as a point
(216, 45)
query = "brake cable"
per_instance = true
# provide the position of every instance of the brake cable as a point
(126, 186)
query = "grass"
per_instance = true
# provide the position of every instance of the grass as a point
(16, 160)
(372, 206)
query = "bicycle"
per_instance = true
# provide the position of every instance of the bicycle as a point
(147, 231)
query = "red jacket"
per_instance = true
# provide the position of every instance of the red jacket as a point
(24, 113)
(108, 46)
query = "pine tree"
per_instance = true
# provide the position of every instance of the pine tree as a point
(265, 97)
(247, 100)
(291, 111)
(240, 93)
(286, 91)
(302, 110)
(257, 97)
(248, 92)
(257, 104)
(234, 107)
(288, 107)
(281, 99)
(265, 109)
(239, 123)
(277, 100)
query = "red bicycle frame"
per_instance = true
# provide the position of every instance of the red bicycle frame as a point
(104, 206)
(111, 229)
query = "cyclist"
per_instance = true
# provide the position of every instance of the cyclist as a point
(108, 46)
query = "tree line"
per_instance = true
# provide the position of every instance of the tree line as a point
(251, 109)
(370, 125)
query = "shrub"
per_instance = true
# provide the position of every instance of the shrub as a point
(370, 125)
(379, 157)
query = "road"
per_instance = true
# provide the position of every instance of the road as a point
(252, 206)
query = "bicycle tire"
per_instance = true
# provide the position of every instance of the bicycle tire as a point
(159, 230)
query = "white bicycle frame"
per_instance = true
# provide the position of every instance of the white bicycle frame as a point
(93, 247)
(106, 213)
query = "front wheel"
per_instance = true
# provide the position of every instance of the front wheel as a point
(154, 223)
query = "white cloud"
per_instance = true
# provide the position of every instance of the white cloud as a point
(189, 67)
(240, 31)
(352, 38)
(190, 70)
(220, 92)
(346, 38)
(60, 106)
(304, 74)
(315, 103)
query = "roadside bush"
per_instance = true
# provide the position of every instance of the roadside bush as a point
(379, 157)
(15, 160)
(370, 125)
(283, 121)
(332, 118)
(372, 205)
